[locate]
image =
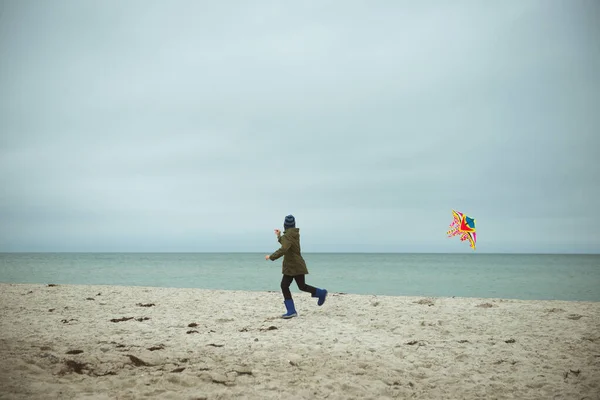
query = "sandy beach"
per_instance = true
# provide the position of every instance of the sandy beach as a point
(111, 342)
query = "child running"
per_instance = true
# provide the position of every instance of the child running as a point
(294, 267)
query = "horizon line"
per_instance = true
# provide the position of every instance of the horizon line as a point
(307, 252)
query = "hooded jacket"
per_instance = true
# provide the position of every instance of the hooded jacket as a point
(293, 263)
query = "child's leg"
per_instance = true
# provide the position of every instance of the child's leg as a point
(300, 281)
(314, 292)
(285, 286)
(287, 295)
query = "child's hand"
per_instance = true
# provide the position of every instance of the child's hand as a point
(277, 232)
(267, 257)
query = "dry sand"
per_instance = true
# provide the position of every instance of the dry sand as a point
(68, 342)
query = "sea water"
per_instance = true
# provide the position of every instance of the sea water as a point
(516, 276)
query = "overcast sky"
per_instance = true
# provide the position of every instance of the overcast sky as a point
(198, 125)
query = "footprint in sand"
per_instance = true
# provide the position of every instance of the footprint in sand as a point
(574, 317)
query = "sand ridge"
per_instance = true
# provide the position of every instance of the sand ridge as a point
(113, 342)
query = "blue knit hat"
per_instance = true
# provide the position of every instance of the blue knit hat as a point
(289, 222)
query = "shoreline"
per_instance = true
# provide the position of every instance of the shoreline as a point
(294, 290)
(126, 342)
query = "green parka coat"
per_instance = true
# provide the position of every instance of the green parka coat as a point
(293, 263)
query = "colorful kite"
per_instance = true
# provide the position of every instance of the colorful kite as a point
(464, 227)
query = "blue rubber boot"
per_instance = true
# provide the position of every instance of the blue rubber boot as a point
(321, 294)
(291, 310)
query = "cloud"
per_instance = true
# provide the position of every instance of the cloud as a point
(191, 126)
